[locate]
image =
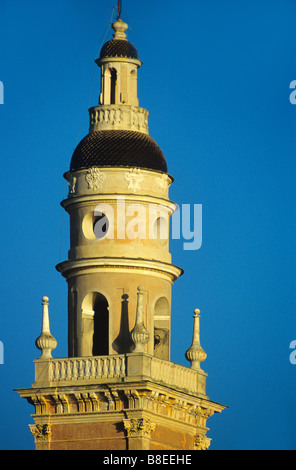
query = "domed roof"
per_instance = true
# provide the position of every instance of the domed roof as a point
(119, 48)
(118, 148)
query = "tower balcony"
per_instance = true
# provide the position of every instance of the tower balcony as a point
(118, 117)
(124, 368)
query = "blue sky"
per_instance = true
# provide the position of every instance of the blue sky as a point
(215, 79)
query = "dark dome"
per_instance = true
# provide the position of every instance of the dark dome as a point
(119, 48)
(119, 149)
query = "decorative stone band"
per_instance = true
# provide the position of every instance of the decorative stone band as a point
(120, 181)
(66, 402)
(118, 117)
(72, 268)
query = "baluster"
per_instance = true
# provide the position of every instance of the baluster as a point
(117, 367)
(56, 371)
(68, 370)
(51, 371)
(111, 367)
(93, 368)
(75, 372)
(99, 368)
(87, 369)
(80, 369)
(62, 375)
(122, 366)
(104, 367)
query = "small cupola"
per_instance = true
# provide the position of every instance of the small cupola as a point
(119, 62)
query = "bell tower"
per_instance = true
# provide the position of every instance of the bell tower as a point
(117, 389)
(119, 75)
(119, 217)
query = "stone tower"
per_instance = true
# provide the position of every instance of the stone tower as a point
(118, 390)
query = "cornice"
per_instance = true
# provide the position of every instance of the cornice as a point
(71, 268)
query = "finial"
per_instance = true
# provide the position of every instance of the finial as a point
(119, 27)
(195, 354)
(139, 334)
(45, 342)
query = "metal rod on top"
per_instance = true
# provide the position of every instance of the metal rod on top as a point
(119, 9)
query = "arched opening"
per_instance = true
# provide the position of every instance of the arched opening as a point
(100, 225)
(133, 88)
(162, 328)
(101, 326)
(113, 86)
(162, 309)
(95, 325)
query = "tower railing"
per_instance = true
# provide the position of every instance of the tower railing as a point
(121, 367)
(116, 116)
(87, 368)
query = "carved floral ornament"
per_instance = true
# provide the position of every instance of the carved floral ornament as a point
(133, 179)
(72, 180)
(41, 432)
(141, 427)
(201, 442)
(95, 178)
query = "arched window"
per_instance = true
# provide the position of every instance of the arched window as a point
(113, 86)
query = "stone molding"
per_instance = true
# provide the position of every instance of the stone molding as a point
(123, 402)
(73, 267)
(99, 401)
(116, 181)
(118, 117)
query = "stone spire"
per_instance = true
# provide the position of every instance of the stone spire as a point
(195, 354)
(140, 335)
(45, 342)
